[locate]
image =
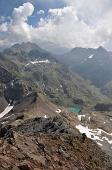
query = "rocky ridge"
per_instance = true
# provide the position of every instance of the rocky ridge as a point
(52, 148)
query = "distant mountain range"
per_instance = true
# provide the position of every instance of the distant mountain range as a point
(92, 64)
(53, 47)
(39, 69)
(47, 46)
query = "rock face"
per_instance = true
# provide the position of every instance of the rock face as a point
(19, 108)
(48, 150)
(54, 125)
(25, 102)
(13, 89)
(103, 107)
(5, 77)
(3, 103)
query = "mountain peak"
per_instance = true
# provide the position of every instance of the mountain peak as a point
(26, 46)
(101, 49)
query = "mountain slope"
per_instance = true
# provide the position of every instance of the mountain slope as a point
(92, 64)
(7, 70)
(107, 89)
(42, 70)
(13, 89)
(27, 51)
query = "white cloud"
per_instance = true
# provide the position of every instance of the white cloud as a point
(81, 23)
(17, 30)
(22, 13)
(40, 12)
(3, 27)
(2, 19)
(64, 27)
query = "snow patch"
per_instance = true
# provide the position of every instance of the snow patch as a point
(109, 141)
(45, 116)
(61, 86)
(91, 56)
(99, 144)
(4, 122)
(58, 111)
(80, 117)
(102, 131)
(38, 62)
(89, 118)
(96, 135)
(92, 134)
(6, 111)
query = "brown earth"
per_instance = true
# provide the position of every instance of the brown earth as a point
(50, 150)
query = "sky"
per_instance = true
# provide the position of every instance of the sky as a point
(68, 23)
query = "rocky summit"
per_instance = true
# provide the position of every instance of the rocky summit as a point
(49, 144)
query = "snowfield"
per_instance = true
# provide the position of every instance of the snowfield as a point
(97, 135)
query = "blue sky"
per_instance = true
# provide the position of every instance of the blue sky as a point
(68, 23)
(7, 6)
